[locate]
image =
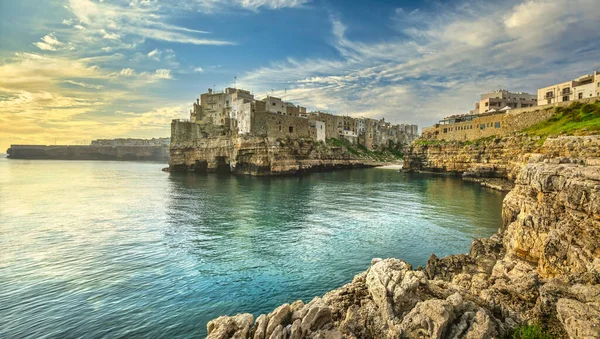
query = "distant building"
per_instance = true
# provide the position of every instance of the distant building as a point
(584, 87)
(503, 99)
(132, 142)
(236, 111)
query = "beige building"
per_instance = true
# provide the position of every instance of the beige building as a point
(502, 99)
(236, 111)
(584, 87)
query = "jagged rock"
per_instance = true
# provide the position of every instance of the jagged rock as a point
(280, 317)
(279, 332)
(428, 319)
(224, 327)
(315, 315)
(260, 327)
(579, 320)
(542, 267)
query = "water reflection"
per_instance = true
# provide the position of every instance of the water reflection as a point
(123, 249)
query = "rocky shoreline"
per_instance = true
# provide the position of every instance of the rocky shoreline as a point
(542, 267)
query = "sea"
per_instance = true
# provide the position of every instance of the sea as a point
(106, 249)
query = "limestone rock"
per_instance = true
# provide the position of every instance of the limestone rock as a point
(280, 317)
(224, 327)
(542, 267)
(579, 320)
(260, 327)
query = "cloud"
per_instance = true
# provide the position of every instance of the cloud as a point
(143, 19)
(83, 84)
(127, 72)
(154, 54)
(49, 43)
(252, 5)
(162, 74)
(441, 59)
(198, 70)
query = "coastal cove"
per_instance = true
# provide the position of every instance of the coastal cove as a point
(120, 248)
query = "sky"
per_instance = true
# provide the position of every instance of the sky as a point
(76, 70)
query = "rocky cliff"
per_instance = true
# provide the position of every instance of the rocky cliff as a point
(494, 162)
(262, 156)
(542, 267)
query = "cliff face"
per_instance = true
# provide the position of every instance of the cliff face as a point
(497, 157)
(261, 156)
(543, 266)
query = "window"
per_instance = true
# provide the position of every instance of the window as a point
(291, 129)
(487, 104)
(566, 98)
(497, 125)
(273, 104)
(482, 126)
(549, 95)
(566, 90)
(279, 128)
(580, 95)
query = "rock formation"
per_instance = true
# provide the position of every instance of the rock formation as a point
(261, 156)
(542, 267)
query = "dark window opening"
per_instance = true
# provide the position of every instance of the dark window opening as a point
(291, 129)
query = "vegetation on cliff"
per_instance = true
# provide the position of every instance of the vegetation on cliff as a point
(577, 119)
(531, 332)
(392, 152)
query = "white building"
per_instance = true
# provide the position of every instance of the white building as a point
(586, 86)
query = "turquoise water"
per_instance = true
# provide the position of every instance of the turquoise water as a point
(119, 249)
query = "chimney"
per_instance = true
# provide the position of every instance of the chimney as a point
(197, 101)
(210, 91)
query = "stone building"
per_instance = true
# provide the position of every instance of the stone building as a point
(237, 112)
(584, 87)
(501, 99)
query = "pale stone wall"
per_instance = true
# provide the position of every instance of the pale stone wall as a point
(317, 130)
(278, 126)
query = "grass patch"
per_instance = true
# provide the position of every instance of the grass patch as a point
(576, 119)
(531, 332)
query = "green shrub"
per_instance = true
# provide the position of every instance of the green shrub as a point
(587, 108)
(531, 332)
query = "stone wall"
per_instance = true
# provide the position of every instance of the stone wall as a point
(501, 124)
(277, 126)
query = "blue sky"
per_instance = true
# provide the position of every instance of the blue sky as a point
(76, 70)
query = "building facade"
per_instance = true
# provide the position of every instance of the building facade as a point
(584, 87)
(237, 112)
(502, 99)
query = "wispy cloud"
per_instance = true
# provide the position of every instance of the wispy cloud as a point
(143, 19)
(441, 59)
(49, 43)
(253, 5)
(83, 84)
